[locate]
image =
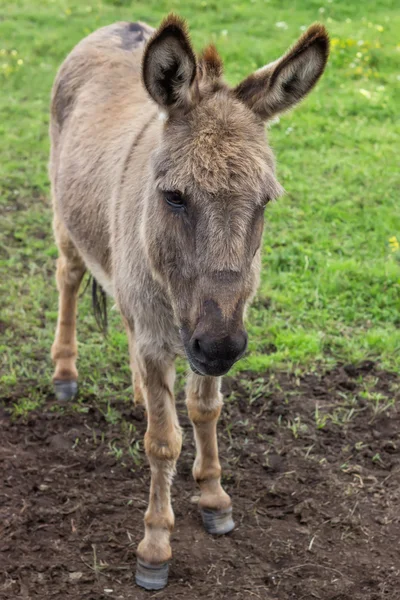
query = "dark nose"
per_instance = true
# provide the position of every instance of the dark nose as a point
(206, 348)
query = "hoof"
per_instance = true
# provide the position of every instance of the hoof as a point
(65, 389)
(151, 577)
(217, 522)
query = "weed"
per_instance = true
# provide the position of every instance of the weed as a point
(296, 426)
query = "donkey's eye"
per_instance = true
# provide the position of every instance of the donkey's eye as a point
(174, 199)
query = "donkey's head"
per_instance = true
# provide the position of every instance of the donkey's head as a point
(211, 177)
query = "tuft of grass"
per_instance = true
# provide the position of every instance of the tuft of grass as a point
(296, 426)
(330, 288)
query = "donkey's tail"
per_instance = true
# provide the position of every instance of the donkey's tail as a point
(99, 303)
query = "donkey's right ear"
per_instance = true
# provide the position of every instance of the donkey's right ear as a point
(169, 65)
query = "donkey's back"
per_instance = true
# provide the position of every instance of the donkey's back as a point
(98, 105)
(107, 63)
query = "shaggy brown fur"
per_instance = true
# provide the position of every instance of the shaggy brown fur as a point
(160, 175)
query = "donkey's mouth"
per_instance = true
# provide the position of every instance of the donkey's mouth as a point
(215, 368)
(196, 371)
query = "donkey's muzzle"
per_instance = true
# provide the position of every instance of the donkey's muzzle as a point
(212, 355)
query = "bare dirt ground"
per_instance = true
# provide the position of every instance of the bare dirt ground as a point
(313, 469)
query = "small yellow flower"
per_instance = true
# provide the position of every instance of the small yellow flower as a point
(379, 28)
(20, 62)
(14, 53)
(3, 51)
(394, 243)
(68, 11)
(365, 93)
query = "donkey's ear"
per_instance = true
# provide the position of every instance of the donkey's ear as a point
(283, 83)
(169, 65)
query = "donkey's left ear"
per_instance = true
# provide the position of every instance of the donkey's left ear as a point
(169, 65)
(283, 83)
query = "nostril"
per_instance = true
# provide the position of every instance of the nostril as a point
(205, 348)
(197, 349)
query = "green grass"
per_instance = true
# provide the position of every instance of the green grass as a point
(330, 287)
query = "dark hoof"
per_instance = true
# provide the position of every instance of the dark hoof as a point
(151, 577)
(217, 522)
(65, 390)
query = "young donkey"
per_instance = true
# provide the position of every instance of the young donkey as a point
(160, 175)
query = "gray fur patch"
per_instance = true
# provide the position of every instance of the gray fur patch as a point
(133, 35)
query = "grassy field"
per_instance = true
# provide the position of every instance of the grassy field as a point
(331, 279)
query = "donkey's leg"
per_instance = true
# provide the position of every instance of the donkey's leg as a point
(163, 441)
(136, 377)
(204, 402)
(70, 270)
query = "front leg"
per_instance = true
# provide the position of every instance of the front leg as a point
(204, 402)
(163, 441)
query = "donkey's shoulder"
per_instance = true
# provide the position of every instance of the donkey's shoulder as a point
(113, 51)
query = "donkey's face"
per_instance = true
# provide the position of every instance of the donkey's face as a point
(211, 178)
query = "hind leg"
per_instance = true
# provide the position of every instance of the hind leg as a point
(70, 271)
(136, 377)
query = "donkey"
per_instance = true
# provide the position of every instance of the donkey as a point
(160, 175)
